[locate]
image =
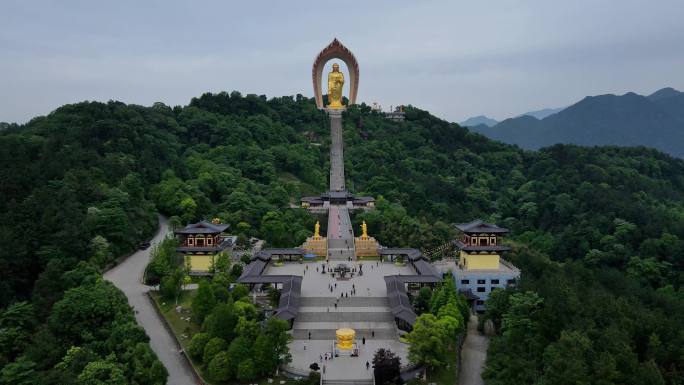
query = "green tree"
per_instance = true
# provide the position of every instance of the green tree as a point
(197, 344)
(105, 372)
(246, 370)
(16, 324)
(427, 341)
(222, 322)
(239, 291)
(219, 368)
(212, 348)
(203, 302)
(171, 286)
(19, 372)
(566, 361)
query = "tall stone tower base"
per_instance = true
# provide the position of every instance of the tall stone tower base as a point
(316, 245)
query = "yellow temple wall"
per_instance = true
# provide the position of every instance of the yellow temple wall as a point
(480, 261)
(200, 262)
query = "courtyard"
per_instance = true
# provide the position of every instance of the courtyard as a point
(327, 304)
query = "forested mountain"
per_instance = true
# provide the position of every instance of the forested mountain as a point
(654, 121)
(598, 231)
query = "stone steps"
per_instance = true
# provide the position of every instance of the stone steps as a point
(344, 302)
(348, 382)
(329, 334)
(336, 316)
(338, 325)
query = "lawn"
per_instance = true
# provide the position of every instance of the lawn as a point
(183, 329)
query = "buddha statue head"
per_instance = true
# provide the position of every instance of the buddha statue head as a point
(336, 67)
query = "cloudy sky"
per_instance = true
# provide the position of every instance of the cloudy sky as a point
(454, 58)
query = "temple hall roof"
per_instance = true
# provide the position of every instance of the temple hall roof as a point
(480, 226)
(203, 227)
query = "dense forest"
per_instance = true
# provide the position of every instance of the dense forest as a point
(597, 231)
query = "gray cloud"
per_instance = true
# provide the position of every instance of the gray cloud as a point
(454, 58)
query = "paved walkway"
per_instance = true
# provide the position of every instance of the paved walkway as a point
(336, 152)
(473, 355)
(127, 276)
(340, 234)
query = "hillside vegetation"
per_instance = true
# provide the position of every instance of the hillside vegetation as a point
(598, 231)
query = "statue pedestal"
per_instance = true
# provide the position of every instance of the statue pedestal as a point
(366, 247)
(335, 111)
(316, 245)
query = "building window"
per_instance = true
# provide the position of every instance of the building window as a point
(480, 302)
(492, 241)
(481, 289)
(465, 281)
(495, 281)
(209, 241)
(191, 241)
(481, 281)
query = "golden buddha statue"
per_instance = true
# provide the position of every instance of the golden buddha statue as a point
(335, 83)
(364, 230)
(317, 230)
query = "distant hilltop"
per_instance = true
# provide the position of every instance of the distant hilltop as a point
(489, 122)
(656, 120)
(479, 120)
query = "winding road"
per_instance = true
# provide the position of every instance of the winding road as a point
(473, 355)
(127, 276)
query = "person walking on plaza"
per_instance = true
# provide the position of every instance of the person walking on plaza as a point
(367, 365)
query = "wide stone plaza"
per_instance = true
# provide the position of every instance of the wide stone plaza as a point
(362, 305)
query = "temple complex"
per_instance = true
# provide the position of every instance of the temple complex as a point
(201, 242)
(481, 267)
(347, 296)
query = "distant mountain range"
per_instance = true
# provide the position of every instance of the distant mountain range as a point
(489, 122)
(541, 114)
(656, 120)
(479, 120)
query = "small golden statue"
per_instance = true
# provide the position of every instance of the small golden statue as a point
(335, 83)
(345, 338)
(317, 230)
(364, 230)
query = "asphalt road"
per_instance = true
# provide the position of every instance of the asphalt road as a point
(473, 356)
(127, 276)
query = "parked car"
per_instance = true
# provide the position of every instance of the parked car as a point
(144, 245)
